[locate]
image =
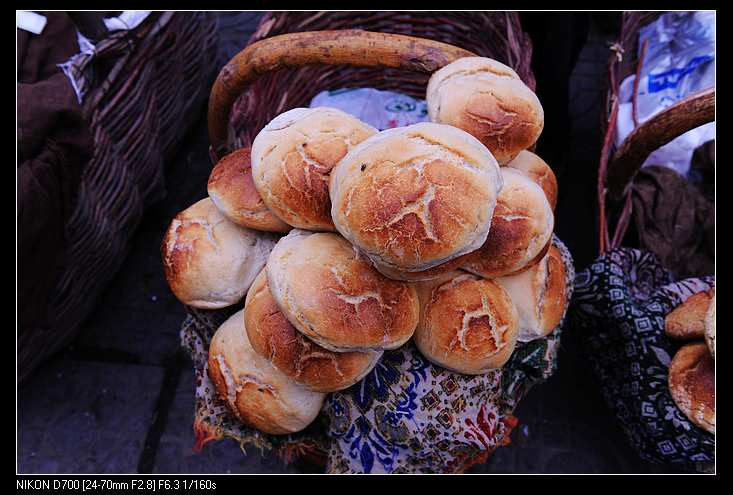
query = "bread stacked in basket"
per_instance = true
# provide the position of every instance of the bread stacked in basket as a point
(692, 370)
(439, 232)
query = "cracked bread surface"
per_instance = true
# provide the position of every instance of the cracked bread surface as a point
(488, 100)
(332, 295)
(256, 392)
(415, 197)
(292, 158)
(539, 295)
(539, 171)
(210, 262)
(467, 324)
(231, 188)
(521, 228)
(273, 337)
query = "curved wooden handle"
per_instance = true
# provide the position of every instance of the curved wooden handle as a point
(343, 47)
(694, 111)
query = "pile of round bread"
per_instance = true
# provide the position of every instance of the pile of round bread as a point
(692, 370)
(439, 232)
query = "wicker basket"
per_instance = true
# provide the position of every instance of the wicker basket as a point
(622, 299)
(491, 34)
(618, 166)
(140, 89)
(357, 50)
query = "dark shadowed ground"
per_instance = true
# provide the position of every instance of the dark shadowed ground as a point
(120, 399)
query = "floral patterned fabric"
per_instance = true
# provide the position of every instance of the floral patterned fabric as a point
(406, 416)
(620, 305)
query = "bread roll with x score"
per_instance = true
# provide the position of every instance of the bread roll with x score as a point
(467, 324)
(534, 168)
(520, 230)
(273, 337)
(209, 261)
(292, 158)
(488, 100)
(415, 197)
(256, 392)
(539, 295)
(232, 190)
(336, 298)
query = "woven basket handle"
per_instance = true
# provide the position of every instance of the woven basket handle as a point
(689, 113)
(343, 47)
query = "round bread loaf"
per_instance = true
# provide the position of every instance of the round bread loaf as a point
(232, 190)
(301, 359)
(209, 261)
(293, 156)
(710, 326)
(467, 324)
(335, 297)
(415, 197)
(539, 171)
(256, 392)
(692, 384)
(520, 229)
(488, 100)
(539, 295)
(687, 321)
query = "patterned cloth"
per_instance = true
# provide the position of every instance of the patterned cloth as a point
(620, 304)
(406, 416)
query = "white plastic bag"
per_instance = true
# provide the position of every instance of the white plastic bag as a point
(680, 60)
(380, 109)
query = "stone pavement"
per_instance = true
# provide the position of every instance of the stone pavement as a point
(120, 399)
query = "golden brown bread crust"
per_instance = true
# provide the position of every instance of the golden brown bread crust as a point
(448, 266)
(540, 256)
(539, 295)
(210, 262)
(692, 384)
(232, 190)
(273, 337)
(710, 326)
(539, 171)
(292, 158)
(520, 229)
(415, 197)
(452, 265)
(687, 321)
(336, 298)
(467, 324)
(256, 392)
(488, 100)
(554, 295)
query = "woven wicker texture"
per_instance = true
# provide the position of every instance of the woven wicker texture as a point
(141, 89)
(626, 289)
(622, 63)
(496, 35)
